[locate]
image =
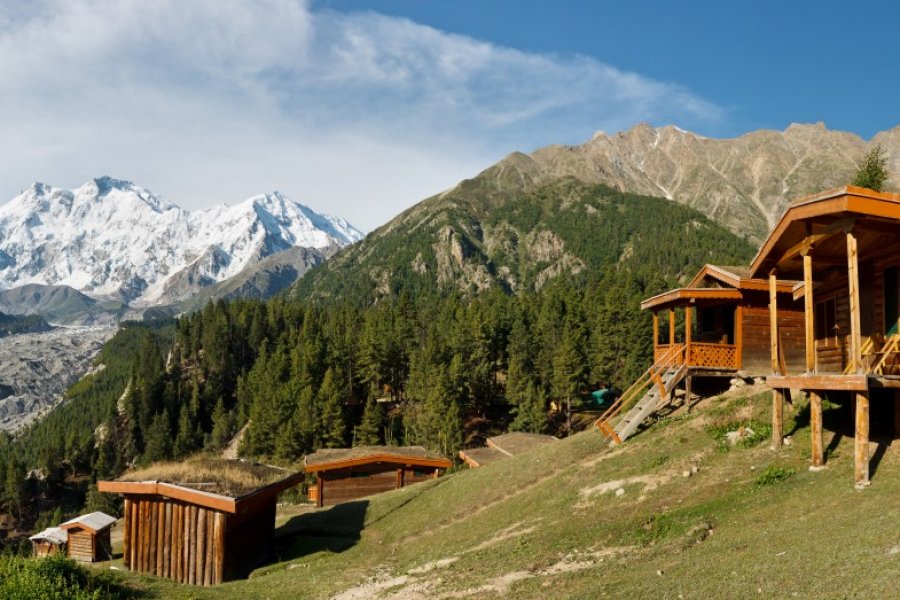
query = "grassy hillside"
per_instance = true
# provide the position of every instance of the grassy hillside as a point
(694, 519)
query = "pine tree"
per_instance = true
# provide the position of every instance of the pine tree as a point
(333, 429)
(530, 410)
(14, 485)
(159, 439)
(223, 427)
(369, 431)
(186, 441)
(872, 170)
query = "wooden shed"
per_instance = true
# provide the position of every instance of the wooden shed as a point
(202, 521)
(344, 474)
(49, 541)
(88, 537)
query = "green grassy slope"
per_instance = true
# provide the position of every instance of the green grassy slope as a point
(552, 522)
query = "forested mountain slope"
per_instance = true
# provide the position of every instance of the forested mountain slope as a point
(497, 231)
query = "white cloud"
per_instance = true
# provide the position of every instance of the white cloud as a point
(357, 114)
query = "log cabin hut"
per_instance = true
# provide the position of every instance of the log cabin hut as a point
(201, 521)
(88, 537)
(724, 333)
(344, 474)
(844, 246)
(49, 541)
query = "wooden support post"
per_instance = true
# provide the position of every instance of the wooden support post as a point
(655, 330)
(320, 495)
(687, 391)
(220, 548)
(777, 419)
(738, 336)
(126, 519)
(167, 540)
(687, 334)
(671, 326)
(861, 455)
(853, 282)
(809, 314)
(815, 419)
(773, 320)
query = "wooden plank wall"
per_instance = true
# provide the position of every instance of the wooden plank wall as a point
(174, 539)
(756, 352)
(341, 486)
(81, 545)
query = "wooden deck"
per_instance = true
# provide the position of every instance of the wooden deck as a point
(701, 354)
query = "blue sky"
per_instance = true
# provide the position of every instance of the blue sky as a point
(362, 108)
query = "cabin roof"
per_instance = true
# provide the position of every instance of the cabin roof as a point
(686, 296)
(219, 484)
(516, 442)
(54, 535)
(815, 218)
(94, 522)
(338, 458)
(736, 277)
(478, 457)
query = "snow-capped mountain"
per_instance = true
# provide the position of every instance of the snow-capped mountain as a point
(111, 238)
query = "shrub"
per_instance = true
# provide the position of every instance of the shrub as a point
(54, 578)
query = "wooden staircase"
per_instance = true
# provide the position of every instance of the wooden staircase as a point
(874, 360)
(645, 396)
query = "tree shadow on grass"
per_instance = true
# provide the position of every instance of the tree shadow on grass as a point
(332, 530)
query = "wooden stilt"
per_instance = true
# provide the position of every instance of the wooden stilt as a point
(815, 419)
(777, 419)
(773, 320)
(809, 314)
(861, 455)
(853, 282)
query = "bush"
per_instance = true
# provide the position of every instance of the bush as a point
(54, 578)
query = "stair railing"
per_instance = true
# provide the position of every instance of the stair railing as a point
(672, 357)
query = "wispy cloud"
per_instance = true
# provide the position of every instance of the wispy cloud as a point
(359, 114)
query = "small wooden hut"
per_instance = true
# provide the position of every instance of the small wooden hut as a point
(202, 521)
(49, 541)
(344, 474)
(88, 537)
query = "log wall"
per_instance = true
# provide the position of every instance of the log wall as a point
(756, 355)
(342, 485)
(81, 545)
(173, 539)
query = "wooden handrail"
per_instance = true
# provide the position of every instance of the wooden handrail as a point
(638, 387)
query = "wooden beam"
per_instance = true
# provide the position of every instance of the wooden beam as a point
(809, 313)
(850, 383)
(655, 329)
(671, 326)
(773, 320)
(861, 454)
(688, 313)
(853, 283)
(777, 419)
(815, 419)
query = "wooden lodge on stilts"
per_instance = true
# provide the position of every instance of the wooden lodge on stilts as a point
(714, 329)
(200, 522)
(844, 247)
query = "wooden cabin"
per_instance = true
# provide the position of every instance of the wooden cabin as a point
(49, 541)
(202, 521)
(504, 446)
(844, 247)
(88, 537)
(725, 324)
(344, 474)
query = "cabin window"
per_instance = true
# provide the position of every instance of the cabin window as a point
(891, 301)
(826, 319)
(355, 474)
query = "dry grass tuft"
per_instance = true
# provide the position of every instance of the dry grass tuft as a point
(233, 478)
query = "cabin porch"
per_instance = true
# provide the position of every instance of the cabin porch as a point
(845, 246)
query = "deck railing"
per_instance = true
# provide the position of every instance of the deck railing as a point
(701, 354)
